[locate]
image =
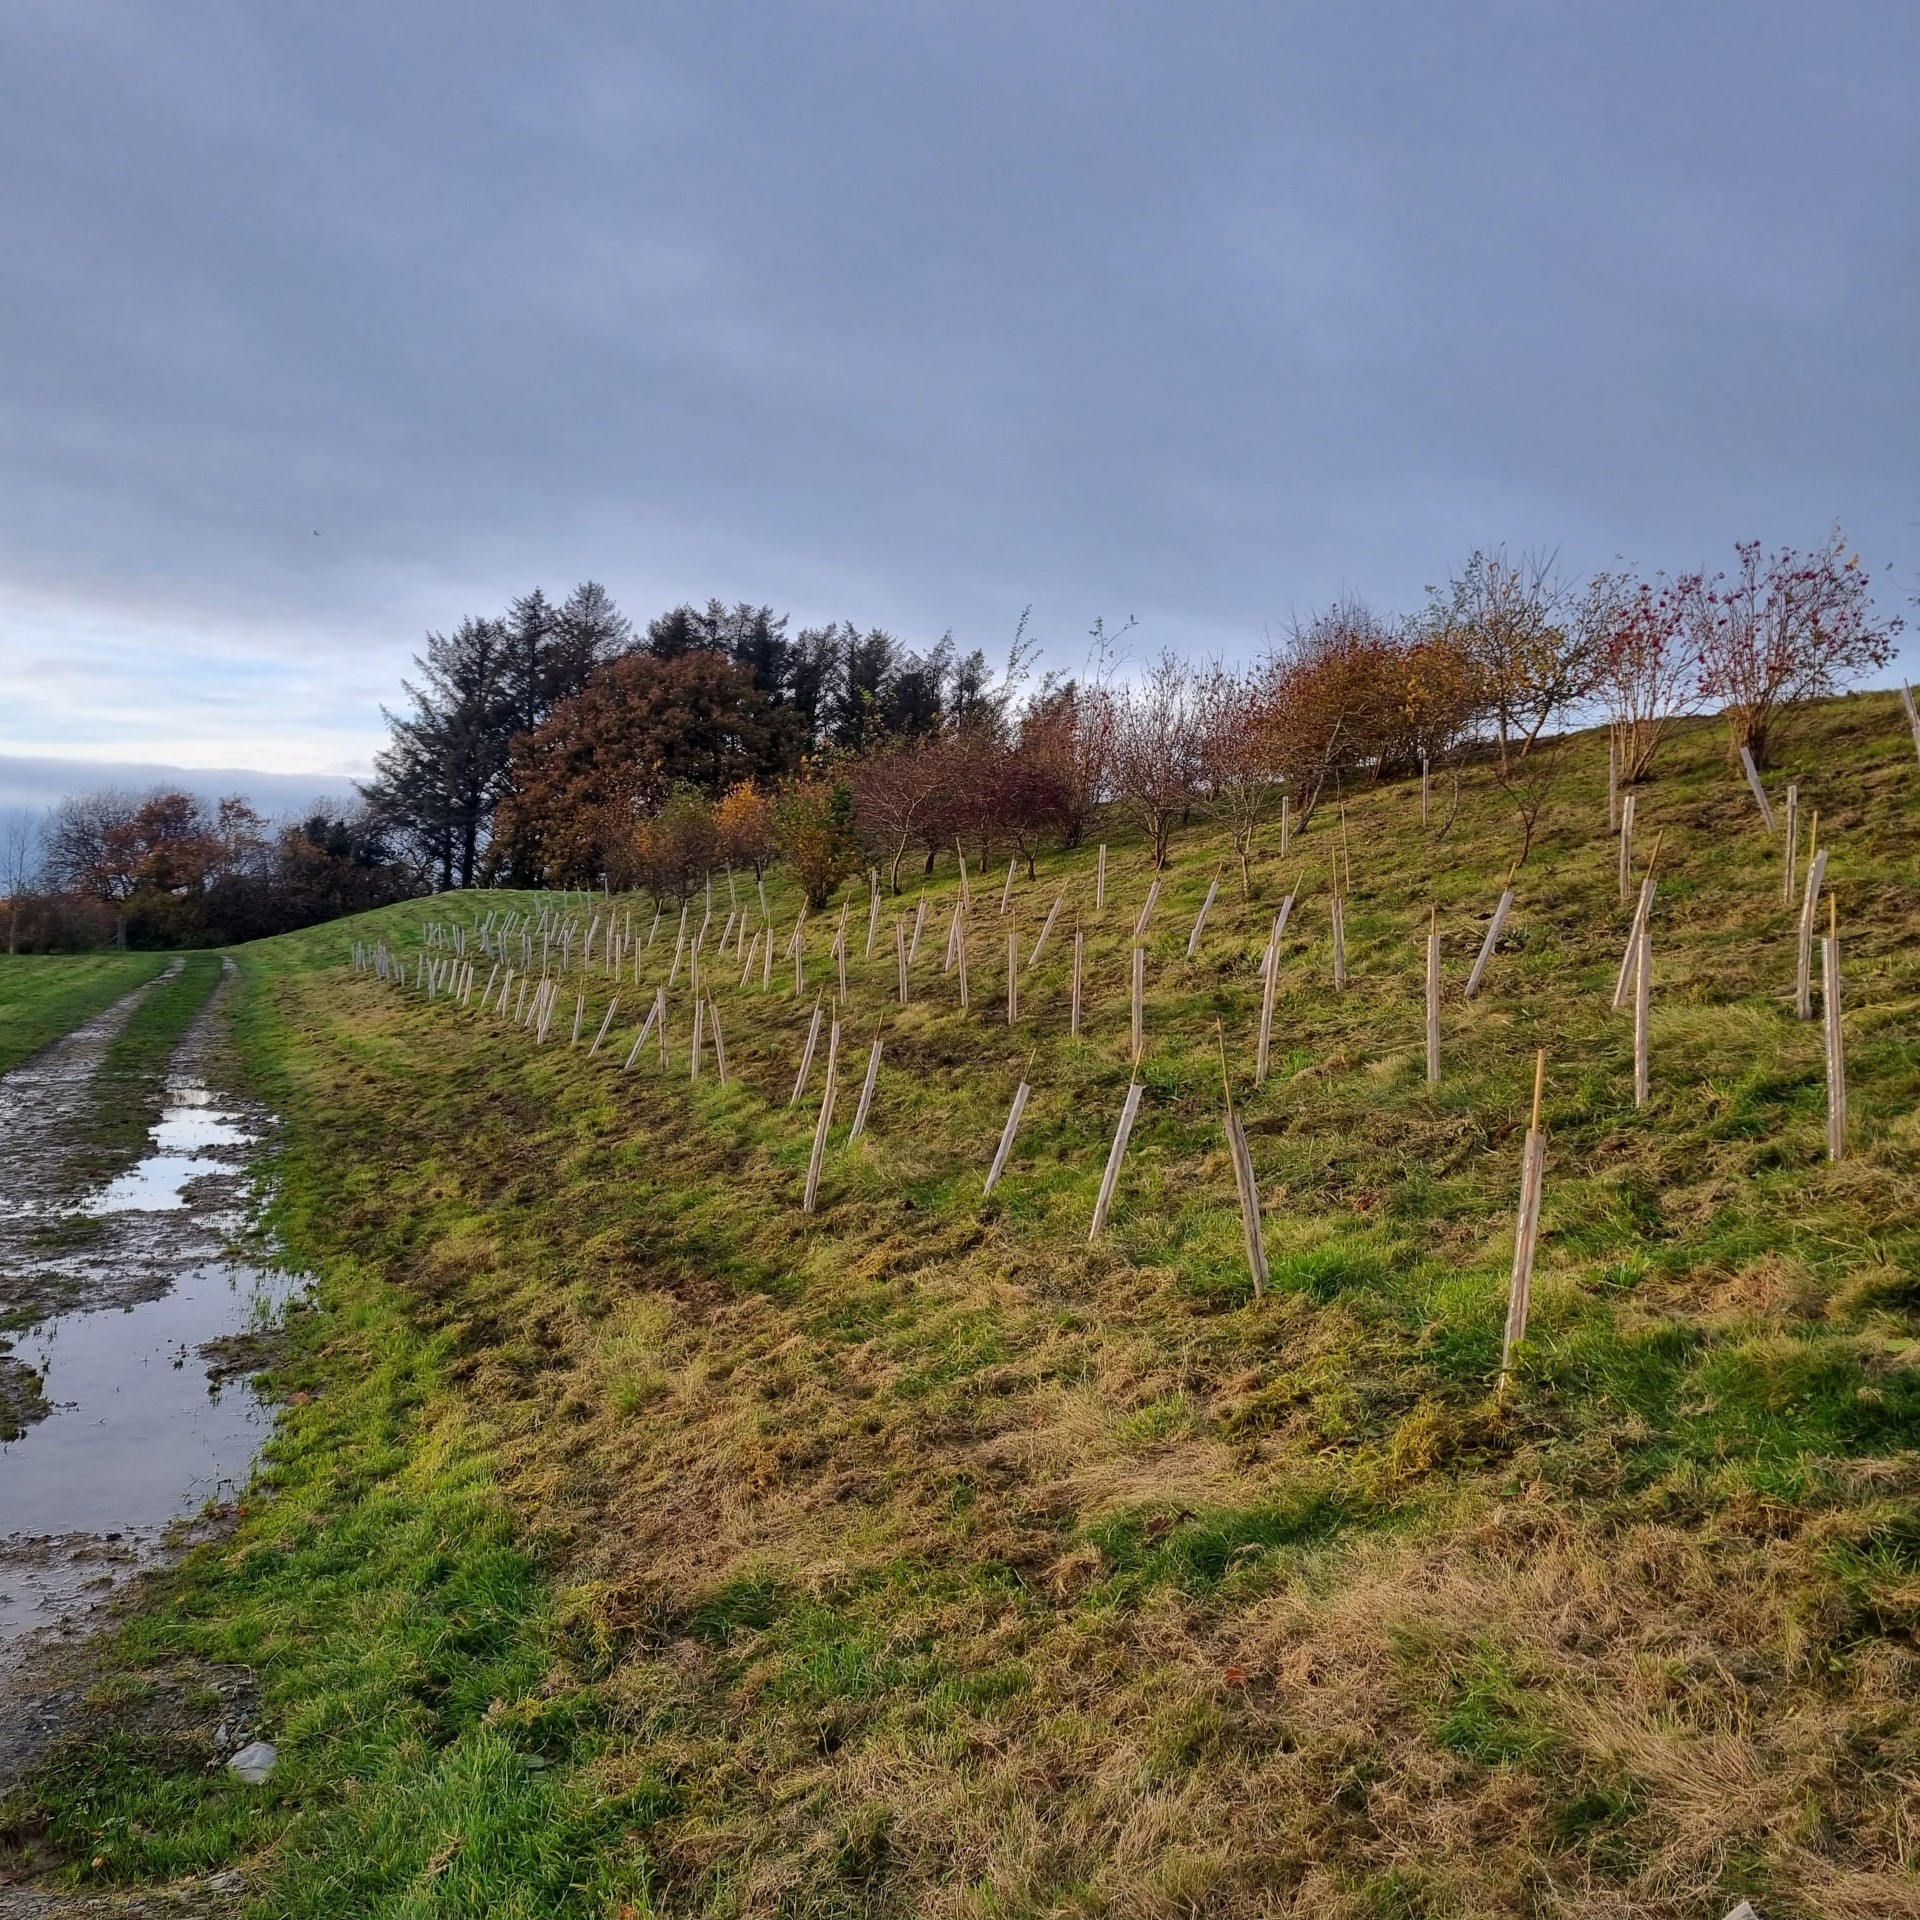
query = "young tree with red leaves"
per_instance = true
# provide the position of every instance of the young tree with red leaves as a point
(1646, 663)
(1156, 750)
(899, 795)
(1237, 769)
(1779, 629)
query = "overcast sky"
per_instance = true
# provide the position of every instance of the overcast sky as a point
(323, 324)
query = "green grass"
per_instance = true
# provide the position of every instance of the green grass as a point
(918, 1557)
(43, 996)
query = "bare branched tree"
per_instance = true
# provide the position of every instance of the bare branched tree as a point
(1156, 750)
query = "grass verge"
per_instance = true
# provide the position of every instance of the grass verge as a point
(43, 996)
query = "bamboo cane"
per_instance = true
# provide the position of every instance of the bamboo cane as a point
(1526, 1228)
(1836, 1047)
(1642, 1007)
(806, 1054)
(606, 1021)
(1079, 962)
(1115, 1155)
(1046, 927)
(866, 1091)
(1759, 792)
(1433, 996)
(1492, 940)
(826, 1119)
(1021, 1094)
(1243, 1176)
(1139, 1002)
(1200, 918)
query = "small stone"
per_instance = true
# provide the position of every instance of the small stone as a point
(254, 1763)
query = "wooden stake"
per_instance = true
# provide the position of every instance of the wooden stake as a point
(1243, 1177)
(1286, 824)
(1200, 918)
(753, 953)
(1494, 927)
(1613, 780)
(919, 922)
(1006, 892)
(1426, 785)
(579, 1014)
(760, 884)
(1079, 963)
(1790, 868)
(1623, 985)
(1526, 1228)
(1146, 912)
(1433, 996)
(660, 1033)
(1642, 1005)
(1626, 848)
(825, 1121)
(960, 961)
(806, 1053)
(699, 1024)
(966, 891)
(1836, 1048)
(1339, 942)
(1100, 880)
(873, 908)
(1013, 975)
(640, 1039)
(1046, 927)
(953, 939)
(1021, 1094)
(1139, 1002)
(1269, 989)
(1803, 981)
(1759, 792)
(1115, 1155)
(713, 1026)
(606, 1021)
(866, 1090)
(900, 956)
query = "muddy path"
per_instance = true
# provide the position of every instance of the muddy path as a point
(132, 1316)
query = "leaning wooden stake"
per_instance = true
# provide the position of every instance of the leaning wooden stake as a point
(900, 957)
(1139, 1002)
(1200, 918)
(960, 960)
(1809, 907)
(1269, 989)
(873, 908)
(1492, 940)
(719, 1041)
(1046, 927)
(1759, 792)
(1623, 985)
(1339, 940)
(1079, 963)
(699, 1033)
(1527, 1228)
(866, 1090)
(579, 1015)
(919, 924)
(1146, 912)
(1836, 1051)
(1115, 1155)
(646, 1027)
(1642, 1009)
(806, 1053)
(1243, 1176)
(1433, 996)
(1021, 1094)
(1006, 892)
(966, 890)
(825, 1121)
(606, 1021)
(1626, 848)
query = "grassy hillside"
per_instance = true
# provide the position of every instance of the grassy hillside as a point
(43, 996)
(637, 1542)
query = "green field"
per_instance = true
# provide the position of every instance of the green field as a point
(43, 996)
(636, 1543)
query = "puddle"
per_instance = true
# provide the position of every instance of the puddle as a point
(140, 1430)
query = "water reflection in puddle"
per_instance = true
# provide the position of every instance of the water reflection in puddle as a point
(139, 1434)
